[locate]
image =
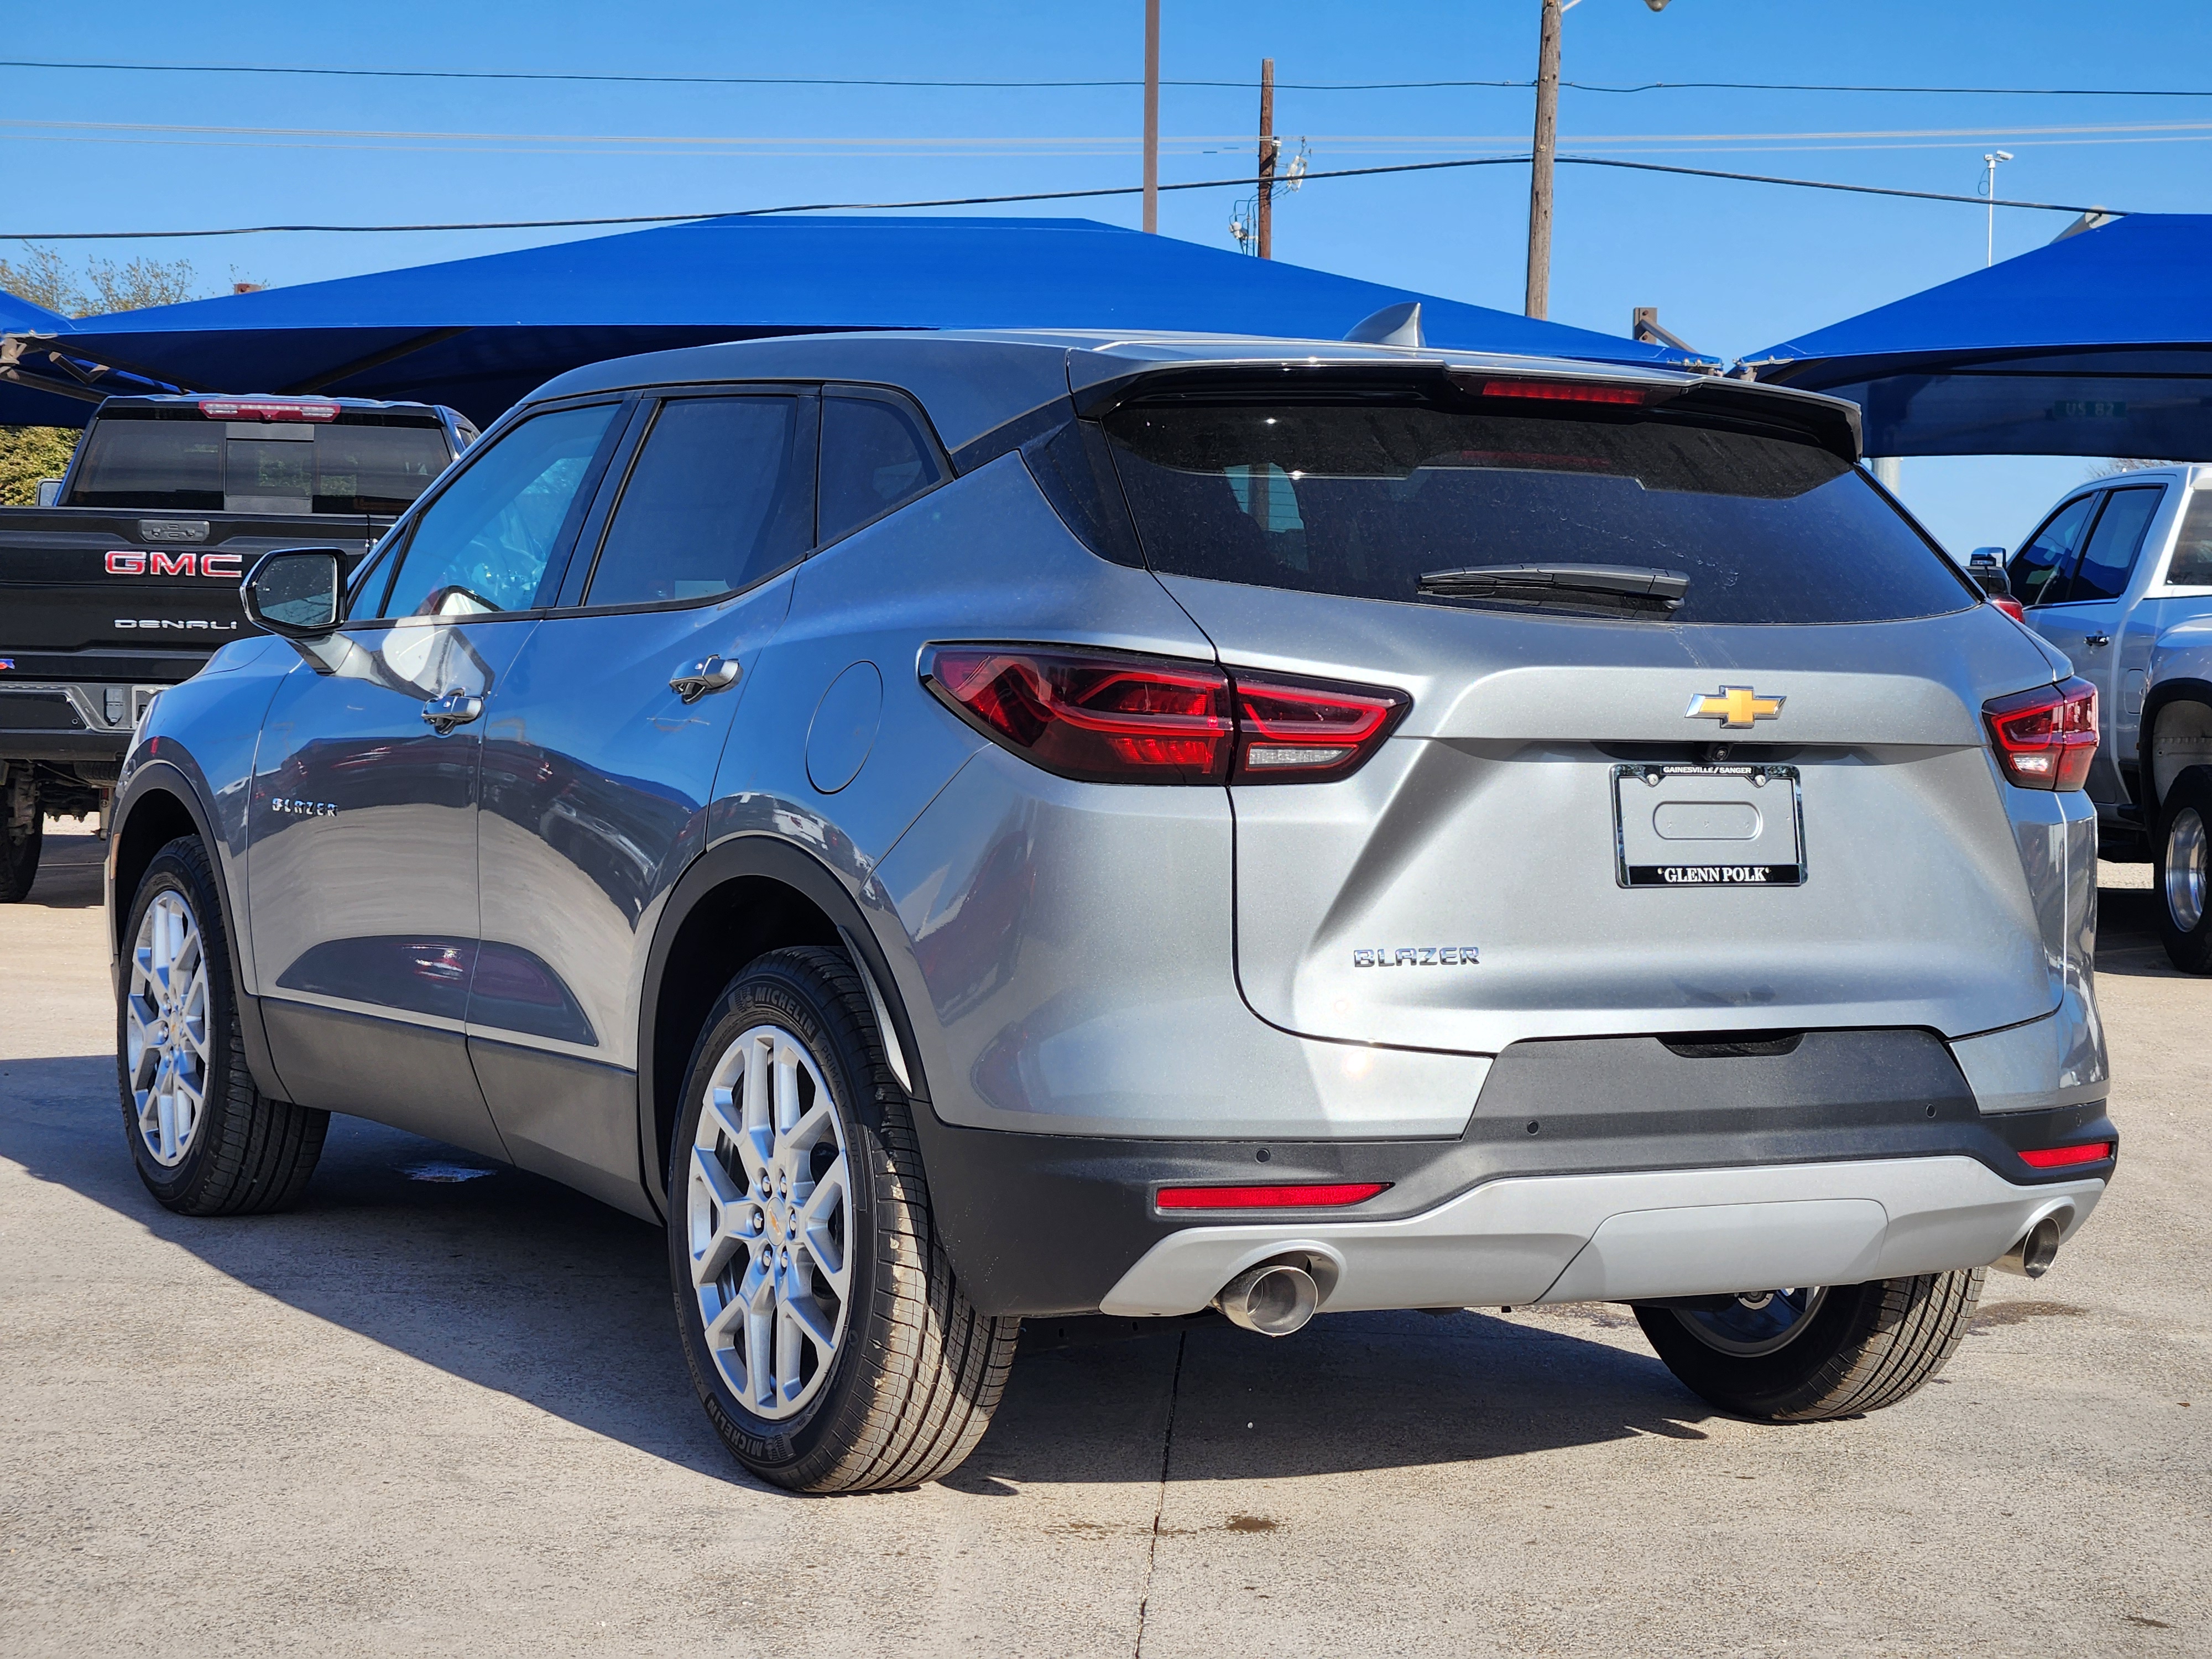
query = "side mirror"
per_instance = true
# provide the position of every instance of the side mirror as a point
(1986, 566)
(1986, 558)
(295, 592)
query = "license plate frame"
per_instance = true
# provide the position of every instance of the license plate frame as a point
(1790, 871)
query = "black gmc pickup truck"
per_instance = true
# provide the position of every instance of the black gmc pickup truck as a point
(130, 580)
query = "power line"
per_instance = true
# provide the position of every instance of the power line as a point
(1040, 196)
(1054, 86)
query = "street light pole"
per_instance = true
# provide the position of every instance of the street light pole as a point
(1151, 115)
(1990, 161)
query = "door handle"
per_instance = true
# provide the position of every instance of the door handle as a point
(2098, 639)
(456, 708)
(716, 673)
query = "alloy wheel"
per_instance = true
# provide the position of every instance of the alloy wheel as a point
(2185, 872)
(1755, 1323)
(165, 1032)
(770, 1222)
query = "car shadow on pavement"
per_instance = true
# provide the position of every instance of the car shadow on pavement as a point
(515, 1284)
(2127, 934)
(69, 870)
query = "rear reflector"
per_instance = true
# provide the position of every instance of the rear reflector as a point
(1567, 391)
(2045, 738)
(1102, 717)
(1269, 1198)
(2057, 1157)
(266, 408)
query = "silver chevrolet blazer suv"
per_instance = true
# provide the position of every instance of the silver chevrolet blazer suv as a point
(963, 829)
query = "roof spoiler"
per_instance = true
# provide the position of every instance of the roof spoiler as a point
(1393, 325)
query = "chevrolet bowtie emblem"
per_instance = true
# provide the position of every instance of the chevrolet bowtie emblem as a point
(1734, 706)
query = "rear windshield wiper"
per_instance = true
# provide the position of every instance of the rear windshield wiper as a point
(1603, 587)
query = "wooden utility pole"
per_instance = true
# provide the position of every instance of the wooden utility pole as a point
(1151, 115)
(1264, 206)
(1539, 170)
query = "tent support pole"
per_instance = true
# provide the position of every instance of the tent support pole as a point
(374, 359)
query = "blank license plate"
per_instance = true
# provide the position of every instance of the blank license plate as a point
(1708, 826)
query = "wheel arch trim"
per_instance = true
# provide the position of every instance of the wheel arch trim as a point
(766, 858)
(2162, 695)
(168, 780)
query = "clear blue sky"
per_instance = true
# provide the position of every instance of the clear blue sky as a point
(1733, 267)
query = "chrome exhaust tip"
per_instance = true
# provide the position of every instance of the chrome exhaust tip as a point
(2037, 1248)
(1274, 1298)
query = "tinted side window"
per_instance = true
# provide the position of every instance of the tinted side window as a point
(483, 543)
(2110, 556)
(721, 495)
(2191, 564)
(873, 457)
(2037, 571)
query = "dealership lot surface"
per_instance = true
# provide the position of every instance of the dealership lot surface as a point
(422, 1416)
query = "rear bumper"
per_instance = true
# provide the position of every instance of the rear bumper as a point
(1630, 1236)
(1050, 1225)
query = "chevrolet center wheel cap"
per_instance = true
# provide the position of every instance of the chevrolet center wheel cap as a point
(769, 1218)
(165, 1029)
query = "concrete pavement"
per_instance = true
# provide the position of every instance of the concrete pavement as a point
(439, 1417)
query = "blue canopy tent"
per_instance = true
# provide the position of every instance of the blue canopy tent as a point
(27, 405)
(2098, 344)
(479, 333)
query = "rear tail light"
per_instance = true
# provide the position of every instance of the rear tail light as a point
(2045, 738)
(1336, 1196)
(2009, 606)
(2060, 1157)
(1102, 719)
(1289, 729)
(1105, 718)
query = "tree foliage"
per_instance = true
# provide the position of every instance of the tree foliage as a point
(29, 453)
(45, 278)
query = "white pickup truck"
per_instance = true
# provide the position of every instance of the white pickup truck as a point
(2119, 578)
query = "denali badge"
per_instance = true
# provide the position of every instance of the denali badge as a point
(303, 809)
(179, 622)
(1418, 956)
(1734, 706)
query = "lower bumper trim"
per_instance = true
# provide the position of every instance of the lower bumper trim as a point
(1627, 1236)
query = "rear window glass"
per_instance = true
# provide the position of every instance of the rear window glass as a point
(277, 466)
(1365, 499)
(126, 463)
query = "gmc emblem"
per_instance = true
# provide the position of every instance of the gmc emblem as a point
(223, 566)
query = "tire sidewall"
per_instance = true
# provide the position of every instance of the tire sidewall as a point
(1760, 1384)
(2190, 950)
(785, 993)
(177, 869)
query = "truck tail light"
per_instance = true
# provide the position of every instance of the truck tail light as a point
(2044, 739)
(267, 408)
(1103, 717)
(2011, 607)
